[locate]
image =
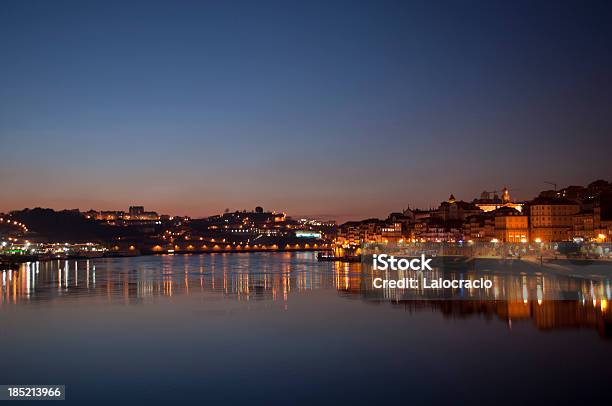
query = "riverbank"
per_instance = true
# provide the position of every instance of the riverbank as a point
(9, 260)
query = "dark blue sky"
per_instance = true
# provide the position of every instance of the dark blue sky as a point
(342, 109)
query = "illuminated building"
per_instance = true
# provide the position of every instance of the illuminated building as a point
(371, 230)
(583, 225)
(511, 225)
(436, 229)
(349, 234)
(354, 233)
(135, 213)
(392, 232)
(139, 213)
(480, 227)
(551, 219)
(487, 203)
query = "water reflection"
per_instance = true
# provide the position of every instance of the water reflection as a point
(550, 300)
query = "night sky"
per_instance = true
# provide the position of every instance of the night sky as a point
(334, 109)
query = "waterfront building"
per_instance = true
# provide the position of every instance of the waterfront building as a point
(370, 230)
(551, 219)
(392, 232)
(511, 225)
(436, 229)
(479, 227)
(355, 233)
(583, 225)
(348, 234)
(404, 221)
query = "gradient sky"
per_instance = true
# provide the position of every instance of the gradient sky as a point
(335, 109)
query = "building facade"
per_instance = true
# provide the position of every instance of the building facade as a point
(511, 225)
(551, 219)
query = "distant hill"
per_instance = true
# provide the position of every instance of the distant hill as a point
(63, 226)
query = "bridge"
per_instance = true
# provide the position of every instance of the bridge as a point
(195, 247)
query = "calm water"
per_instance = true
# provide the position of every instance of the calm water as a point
(283, 328)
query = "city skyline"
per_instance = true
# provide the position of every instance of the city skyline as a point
(271, 202)
(458, 195)
(324, 110)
